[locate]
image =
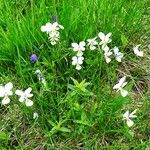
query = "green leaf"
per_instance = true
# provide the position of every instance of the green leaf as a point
(52, 123)
(3, 135)
(124, 40)
(64, 129)
(70, 86)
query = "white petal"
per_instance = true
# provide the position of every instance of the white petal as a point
(5, 100)
(105, 48)
(109, 53)
(43, 28)
(122, 80)
(116, 50)
(75, 46)
(108, 35)
(78, 67)
(61, 27)
(124, 93)
(21, 99)
(126, 115)
(92, 47)
(139, 53)
(117, 86)
(74, 58)
(29, 95)
(35, 115)
(79, 53)
(108, 60)
(27, 91)
(19, 92)
(132, 115)
(101, 36)
(82, 44)
(28, 102)
(2, 91)
(124, 84)
(9, 86)
(80, 60)
(53, 42)
(118, 59)
(130, 122)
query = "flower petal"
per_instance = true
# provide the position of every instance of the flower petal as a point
(9, 86)
(108, 60)
(130, 122)
(75, 46)
(82, 44)
(126, 115)
(117, 86)
(124, 84)
(35, 115)
(19, 92)
(78, 67)
(108, 35)
(5, 100)
(116, 50)
(122, 80)
(27, 91)
(80, 60)
(2, 91)
(132, 115)
(124, 93)
(101, 36)
(21, 99)
(79, 53)
(28, 102)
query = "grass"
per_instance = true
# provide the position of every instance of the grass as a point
(71, 117)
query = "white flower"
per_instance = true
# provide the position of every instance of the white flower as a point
(77, 61)
(40, 77)
(105, 39)
(35, 115)
(54, 37)
(6, 91)
(49, 27)
(53, 31)
(24, 96)
(137, 52)
(119, 86)
(92, 43)
(127, 116)
(118, 55)
(79, 48)
(107, 54)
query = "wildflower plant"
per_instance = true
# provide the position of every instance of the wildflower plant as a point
(105, 39)
(24, 96)
(92, 43)
(137, 52)
(33, 58)
(118, 55)
(120, 85)
(77, 61)
(80, 109)
(79, 48)
(40, 77)
(52, 29)
(80, 88)
(128, 116)
(107, 54)
(5, 92)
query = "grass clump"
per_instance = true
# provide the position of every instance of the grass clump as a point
(77, 109)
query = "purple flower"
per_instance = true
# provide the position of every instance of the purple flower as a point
(33, 58)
